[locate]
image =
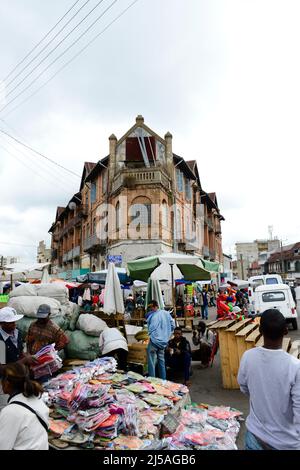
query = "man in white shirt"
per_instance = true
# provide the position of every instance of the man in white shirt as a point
(271, 378)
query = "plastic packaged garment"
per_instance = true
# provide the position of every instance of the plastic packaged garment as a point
(130, 421)
(48, 361)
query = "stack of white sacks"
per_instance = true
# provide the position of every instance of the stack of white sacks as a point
(82, 330)
(26, 299)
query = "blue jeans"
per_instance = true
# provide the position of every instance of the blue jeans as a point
(204, 311)
(156, 355)
(251, 442)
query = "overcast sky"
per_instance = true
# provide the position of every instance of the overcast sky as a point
(221, 75)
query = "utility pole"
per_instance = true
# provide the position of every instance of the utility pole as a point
(242, 265)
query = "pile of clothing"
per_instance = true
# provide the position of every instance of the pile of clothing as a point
(93, 406)
(48, 362)
(205, 427)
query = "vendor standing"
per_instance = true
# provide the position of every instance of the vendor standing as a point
(11, 344)
(160, 326)
(44, 331)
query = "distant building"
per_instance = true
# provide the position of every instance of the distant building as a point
(43, 253)
(6, 260)
(227, 274)
(285, 261)
(251, 256)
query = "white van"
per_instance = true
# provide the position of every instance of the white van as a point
(263, 279)
(277, 296)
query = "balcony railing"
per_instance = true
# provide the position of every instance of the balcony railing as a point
(94, 243)
(130, 178)
(82, 212)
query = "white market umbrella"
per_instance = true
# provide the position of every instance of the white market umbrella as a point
(154, 293)
(45, 276)
(113, 297)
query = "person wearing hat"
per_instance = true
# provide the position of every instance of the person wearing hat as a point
(10, 336)
(44, 331)
(11, 345)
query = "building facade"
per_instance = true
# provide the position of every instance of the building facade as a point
(140, 200)
(286, 262)
(43, 253)
(251, 256)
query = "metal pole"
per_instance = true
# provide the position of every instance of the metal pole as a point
(173, 292)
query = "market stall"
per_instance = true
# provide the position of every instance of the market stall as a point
(95, 407)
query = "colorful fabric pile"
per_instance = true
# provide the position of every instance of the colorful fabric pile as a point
(207, 427)
(94, 407)
(48, 362)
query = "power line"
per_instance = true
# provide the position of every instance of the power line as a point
(71, 60)
(33, 155)
(45, 171)
(40, 42)
(38, 153)
(52, 50)
(42, 176)
(57, 58)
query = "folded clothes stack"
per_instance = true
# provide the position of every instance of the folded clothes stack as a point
(92, 406)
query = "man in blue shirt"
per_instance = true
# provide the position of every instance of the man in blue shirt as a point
(160, 327)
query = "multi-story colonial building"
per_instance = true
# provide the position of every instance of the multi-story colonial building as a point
(140, 200)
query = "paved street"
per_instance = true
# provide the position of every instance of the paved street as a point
(207, 384)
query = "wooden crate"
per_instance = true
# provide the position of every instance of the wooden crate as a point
(220, 328)
(137, 352)
(230, 375)
(241, 338)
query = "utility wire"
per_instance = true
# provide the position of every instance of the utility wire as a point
(40, 175)
(58, 57)
(71, 60)
(40, 42)
(45, 170)
(33, 155)
(52, 50)
(38, 153)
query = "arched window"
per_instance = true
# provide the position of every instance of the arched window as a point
(164, 215)
(118, 216)
(140, 211)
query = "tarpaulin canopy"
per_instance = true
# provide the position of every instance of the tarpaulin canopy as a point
(173, 266)
(211, 266)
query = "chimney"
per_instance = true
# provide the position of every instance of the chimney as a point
(139, 120)
(112, 158)
(169, 154)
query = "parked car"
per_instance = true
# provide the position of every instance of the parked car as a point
(255, 281)
(277, 296)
